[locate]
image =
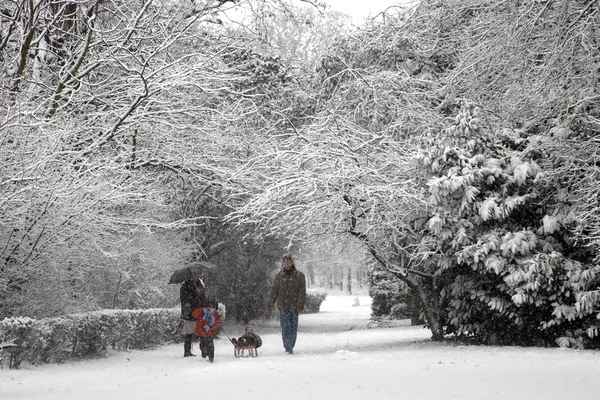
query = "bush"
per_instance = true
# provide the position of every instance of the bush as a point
(84, 335)
(314, 299)
(392, 298)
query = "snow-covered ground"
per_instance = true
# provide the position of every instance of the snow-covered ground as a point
(339, 355)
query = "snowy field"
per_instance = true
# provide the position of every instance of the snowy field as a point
(339, 355)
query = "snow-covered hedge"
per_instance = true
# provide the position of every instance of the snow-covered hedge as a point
(314, 298)
(58, 339)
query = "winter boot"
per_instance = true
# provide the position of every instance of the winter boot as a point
(187, 346)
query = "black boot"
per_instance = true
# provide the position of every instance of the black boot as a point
(210, 350)
(202, 348)
(187, 346)
(207, 347)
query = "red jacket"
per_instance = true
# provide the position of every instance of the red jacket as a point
(200, 323)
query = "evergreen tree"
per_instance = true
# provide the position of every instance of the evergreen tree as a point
(504, 243)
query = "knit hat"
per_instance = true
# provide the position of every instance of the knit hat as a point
(288, 257)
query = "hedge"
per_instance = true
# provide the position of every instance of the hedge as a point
(91, 334)
(83, 335)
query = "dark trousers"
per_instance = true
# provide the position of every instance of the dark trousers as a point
(187, 344)
(288, 320)
(207, 347)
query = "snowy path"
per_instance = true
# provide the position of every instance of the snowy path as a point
(337, 357)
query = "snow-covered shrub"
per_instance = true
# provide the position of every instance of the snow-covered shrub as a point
(392, 298)
(314, 299)
(90, 334)
(505, 239)
(22, 332)
(58, 346)
(385, 291)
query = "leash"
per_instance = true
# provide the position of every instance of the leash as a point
(223, 330)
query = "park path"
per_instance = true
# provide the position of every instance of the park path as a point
(340, 354)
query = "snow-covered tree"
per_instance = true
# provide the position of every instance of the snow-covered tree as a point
(501, 241)
(392, 91)
(108, 108)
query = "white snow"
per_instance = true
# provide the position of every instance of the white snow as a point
(340, 354)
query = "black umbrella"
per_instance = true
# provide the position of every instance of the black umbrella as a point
(190, 271)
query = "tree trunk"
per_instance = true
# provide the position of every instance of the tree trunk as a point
(311, 274)
(114, 300)
(349, 280)
(359, 279)
(433, 313)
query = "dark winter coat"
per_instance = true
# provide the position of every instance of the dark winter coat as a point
(289, 290)
(192, 296)
(250, 339)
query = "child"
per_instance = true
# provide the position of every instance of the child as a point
(248, 339)
(207, 322)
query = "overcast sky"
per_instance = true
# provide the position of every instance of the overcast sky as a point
(361, 9)
(358, 9)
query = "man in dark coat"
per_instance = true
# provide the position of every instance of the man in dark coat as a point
(192, 295)
(289, 291)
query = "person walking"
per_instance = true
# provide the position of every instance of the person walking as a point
(289, 292)
(192, 295)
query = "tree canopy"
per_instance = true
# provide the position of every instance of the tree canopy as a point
(456, 142)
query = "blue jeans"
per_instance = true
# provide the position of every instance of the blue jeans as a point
(289, 328)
